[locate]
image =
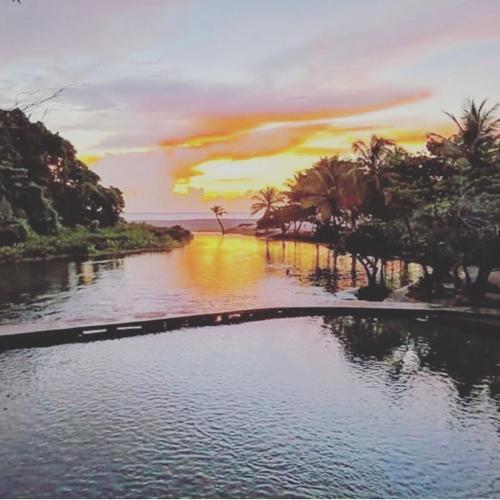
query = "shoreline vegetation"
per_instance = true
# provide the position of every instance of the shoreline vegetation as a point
(122, 239)
(405, 294)
(52, 205)
(439, 208)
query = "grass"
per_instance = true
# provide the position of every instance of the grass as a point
(80, 242)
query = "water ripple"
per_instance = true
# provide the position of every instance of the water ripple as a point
(305, 407)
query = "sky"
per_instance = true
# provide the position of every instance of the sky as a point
(184, 104)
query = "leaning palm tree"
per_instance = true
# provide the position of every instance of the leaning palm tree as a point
(219, 212)
(267, 199)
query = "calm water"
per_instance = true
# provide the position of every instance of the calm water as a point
(210, 274)
(307, 407)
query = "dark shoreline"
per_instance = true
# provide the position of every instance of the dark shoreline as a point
(103, 253)
(80, 243)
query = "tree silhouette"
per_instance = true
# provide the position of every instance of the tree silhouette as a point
(219, 212)
(267, 199)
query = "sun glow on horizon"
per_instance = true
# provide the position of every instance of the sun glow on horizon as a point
(233, 177)
(177, 115)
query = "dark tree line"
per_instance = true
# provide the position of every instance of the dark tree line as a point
(44, 186)
(439, 208)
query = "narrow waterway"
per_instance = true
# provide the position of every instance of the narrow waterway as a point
(209, 274)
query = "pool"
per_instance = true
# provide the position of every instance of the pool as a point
(302, 407)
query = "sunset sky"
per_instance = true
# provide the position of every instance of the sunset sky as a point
(187, 103)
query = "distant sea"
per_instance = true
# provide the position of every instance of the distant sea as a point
(177, 216)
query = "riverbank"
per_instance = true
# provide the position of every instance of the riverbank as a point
(491, 298)
(81, 242)
(231, 226)
(247, 227)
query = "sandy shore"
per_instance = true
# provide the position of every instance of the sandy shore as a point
(238, 226)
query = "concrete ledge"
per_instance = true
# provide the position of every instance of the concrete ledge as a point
(32, 337)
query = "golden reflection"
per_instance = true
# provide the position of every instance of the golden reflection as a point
(220, 265)
(217, 265)
(231, 267)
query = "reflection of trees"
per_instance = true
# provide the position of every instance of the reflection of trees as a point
(340, 273)
(25, 283)
(29, 279)
(88, 272)
(318, 265)
(325, 278)
(365, 339)
(470, 361)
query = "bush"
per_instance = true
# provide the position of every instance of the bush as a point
(80, 242)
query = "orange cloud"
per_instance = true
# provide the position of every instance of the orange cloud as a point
(219, 128)
(226, 150)
(269, 156)
(263, 134)
(253, 144)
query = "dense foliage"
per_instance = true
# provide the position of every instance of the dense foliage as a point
(82, 242)
(440, 208)
(43, 185)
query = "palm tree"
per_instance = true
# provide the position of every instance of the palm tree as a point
(267, 199)
(372, 155)
(477, 136)
(333, 186)
(219, 212)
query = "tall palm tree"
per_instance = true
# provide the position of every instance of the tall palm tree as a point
(372, 155)
(478, 131)
(219, 212)
(267, 199)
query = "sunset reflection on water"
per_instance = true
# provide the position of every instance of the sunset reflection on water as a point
(211, 273)
(218, 264)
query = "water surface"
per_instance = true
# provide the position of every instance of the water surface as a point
(304, 407)
(210, 274)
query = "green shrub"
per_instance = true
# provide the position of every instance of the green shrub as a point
(81, 242)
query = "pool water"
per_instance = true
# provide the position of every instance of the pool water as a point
(303, 407)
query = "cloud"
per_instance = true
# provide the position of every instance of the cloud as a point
(144, 112)
(83, 33)
(145, 181)
(91, 159)
(187, 178)
(244, 144)
(381, 37)
(167, 91)
(198, 123)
